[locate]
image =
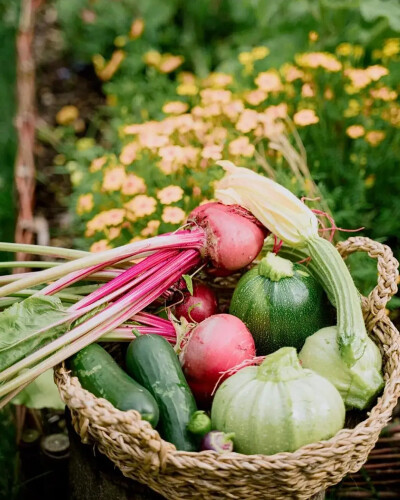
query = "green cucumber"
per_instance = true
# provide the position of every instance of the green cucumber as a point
(281, 304)
(100, 374)
(152, 361)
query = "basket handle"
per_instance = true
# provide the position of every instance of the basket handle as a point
(388, 270)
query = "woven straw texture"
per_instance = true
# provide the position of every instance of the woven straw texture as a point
(139, 452)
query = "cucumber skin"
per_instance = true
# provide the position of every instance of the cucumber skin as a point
(152, 361)
(100, 374)
(281, 313)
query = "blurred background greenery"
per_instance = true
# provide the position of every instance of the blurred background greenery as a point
(137, 99)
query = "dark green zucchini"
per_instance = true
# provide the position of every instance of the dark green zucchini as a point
(152, 361)
(281, 304)
(100, 374)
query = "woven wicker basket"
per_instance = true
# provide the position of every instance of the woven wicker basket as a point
(139, 452)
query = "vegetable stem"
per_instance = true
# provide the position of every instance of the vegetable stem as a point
(338, 282)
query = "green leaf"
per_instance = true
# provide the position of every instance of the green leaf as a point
(189, 283)
(389, 9)
(20, 324)
(41, 393)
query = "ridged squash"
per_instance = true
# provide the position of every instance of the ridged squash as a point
(281, 304)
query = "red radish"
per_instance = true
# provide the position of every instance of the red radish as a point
(234, 236)
(215, 345)
(199, 306)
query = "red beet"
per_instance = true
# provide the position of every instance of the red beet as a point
(215, 345)
(234, 236)
(199, 306)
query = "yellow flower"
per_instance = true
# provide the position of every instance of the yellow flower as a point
(133, 185)
(255, 97)
(375, 137)
(313, 36)
(186, 77)
(151, 228)
(319, 60)
(358, 77)
(212, 152)
(218, 80)
(391, 47)
(269, 81)
(137, 28)
(248, 121)
(245, 58)
(355, 131)
(370, 181)
(353, 109)
(384, 93)
(98, 163)
(259, 53)
(128, 153)
(376, 72)
(173, 215)
(152, 58)
(170, 194)
(85, 203)
(100, 246)
(67, 115)
(120, 41)
(187, 89)
(175, 107)
(344, 49)
(170, 63)
(305, 117)
(307, 90)
(85, 143)
(111, 67)
(140, 206)
(291, 72)
(241, 146)
(113, 179)
(358, 51)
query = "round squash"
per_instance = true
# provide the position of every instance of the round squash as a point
(281, 304)
(277, 406)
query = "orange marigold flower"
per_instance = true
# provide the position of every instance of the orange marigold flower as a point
(85, 203)
(319, 60)
(212, 152)
(113, 217)
(113, 179)
(291, 72)
(305, 117)
(113, 232)
(375, 137)
(152, 141)
(384, 93)
(170, 63)
(307, 90)
(137, 28)
(170, 194)
(98, 223)
(233, 109)
(359, 77)
(100, 246)
(376, 72)
(140, 206)
(248, 121)
(269, 81)
(151, 228)
(211, 96)
(255, 97)
(128, 153)
(173, 215)
(355, 131)
(133, 185)
(111, 67)
(218, 80)
(98, 163)
(241, 146)
(175, 107)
